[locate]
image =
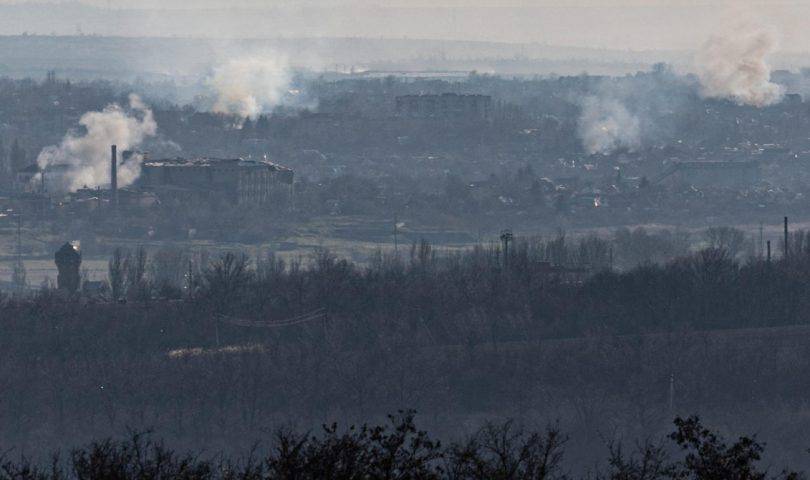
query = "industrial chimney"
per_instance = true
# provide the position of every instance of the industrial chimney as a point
(114, 176)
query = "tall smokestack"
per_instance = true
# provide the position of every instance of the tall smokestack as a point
(114, 175)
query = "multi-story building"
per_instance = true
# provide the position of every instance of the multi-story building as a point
(237, 180)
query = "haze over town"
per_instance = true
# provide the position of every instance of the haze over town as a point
(456, 239)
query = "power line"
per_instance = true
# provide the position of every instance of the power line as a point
(317, 314)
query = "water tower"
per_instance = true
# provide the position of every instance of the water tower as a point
(68, 261)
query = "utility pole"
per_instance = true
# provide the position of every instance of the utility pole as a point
(396, 238)
(506, 237)
(786, 238)
(19, 237)
(19, 277)
(769, 251)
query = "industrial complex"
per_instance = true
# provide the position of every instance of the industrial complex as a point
(171, 182)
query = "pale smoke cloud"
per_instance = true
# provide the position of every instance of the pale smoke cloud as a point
(250, 86)
(735, 67)
(605, 125)
(85, 158)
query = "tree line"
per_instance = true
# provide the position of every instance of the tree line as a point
(539, 288)
(635, 282)
(400, 450)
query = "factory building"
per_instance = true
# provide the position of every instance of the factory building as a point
(447, 105)
(237, 180)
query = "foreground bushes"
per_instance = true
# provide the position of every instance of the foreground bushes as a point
(401, 451)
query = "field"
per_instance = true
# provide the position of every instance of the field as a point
(353, 238)
(72, 373)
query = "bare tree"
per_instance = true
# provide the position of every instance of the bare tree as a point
(729, 239)
(135, 265)
(115, 274)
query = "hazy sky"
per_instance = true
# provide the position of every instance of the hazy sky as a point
(195, 4)
(618, 24)
(202, 4)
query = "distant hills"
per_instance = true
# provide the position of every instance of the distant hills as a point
(85, 41)
(127, 58)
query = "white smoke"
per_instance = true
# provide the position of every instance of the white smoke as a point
(250, 86)
(605, 125)
(734, 66)
(84, 159)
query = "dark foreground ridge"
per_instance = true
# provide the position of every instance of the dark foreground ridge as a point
(399, 450)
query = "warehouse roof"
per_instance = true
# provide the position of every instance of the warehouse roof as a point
(220, 163)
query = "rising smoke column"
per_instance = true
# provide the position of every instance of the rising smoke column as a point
(605, 125)
(250, 86)
(734, 66)
(87, 155)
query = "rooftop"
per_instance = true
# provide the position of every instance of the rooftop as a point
(220, 163)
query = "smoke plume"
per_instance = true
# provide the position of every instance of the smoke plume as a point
(605, 125)
(734, 66)
(250, 86)
(84, 158)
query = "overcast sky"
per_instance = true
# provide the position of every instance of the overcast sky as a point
(619, 24)
(194, 4)
(207, 4)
